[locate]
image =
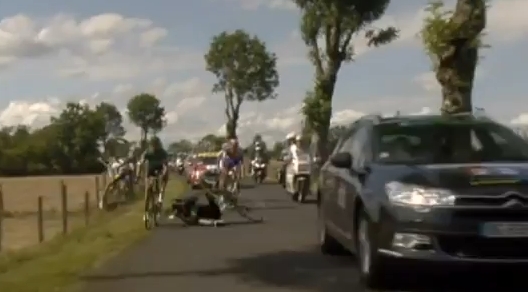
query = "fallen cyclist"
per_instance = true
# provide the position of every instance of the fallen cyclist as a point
(189, 210)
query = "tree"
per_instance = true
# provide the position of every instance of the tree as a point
(276, 151)
(182, 146)
(327, 28)
(146, 112)
(245, 70)
(78, 129)
(452, 40)
(113, 125)
(210, 142)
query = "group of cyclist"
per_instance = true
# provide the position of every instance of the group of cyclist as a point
(156, 159)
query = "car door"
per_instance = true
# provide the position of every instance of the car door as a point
(328, 188)
(350, 182)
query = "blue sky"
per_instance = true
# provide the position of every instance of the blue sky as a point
(56, 51)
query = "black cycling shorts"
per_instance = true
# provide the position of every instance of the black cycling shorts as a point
(155, 171)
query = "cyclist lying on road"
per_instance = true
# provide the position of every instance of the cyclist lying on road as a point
(191, 211)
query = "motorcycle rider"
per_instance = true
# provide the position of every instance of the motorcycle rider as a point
(258, 150)
(290, 153)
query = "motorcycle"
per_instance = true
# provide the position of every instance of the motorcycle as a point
(258, 169)
(297, 180)
(180, 169)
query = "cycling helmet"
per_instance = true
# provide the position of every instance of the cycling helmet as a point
(290, 136)
(257, 138)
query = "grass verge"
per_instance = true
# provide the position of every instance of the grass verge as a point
(56, 265)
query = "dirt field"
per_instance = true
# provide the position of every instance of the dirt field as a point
(23, 232)
(21, 194)
(21, 200)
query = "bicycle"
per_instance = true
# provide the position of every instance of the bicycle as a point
(231, 201)
(152, 207)
(121, 189)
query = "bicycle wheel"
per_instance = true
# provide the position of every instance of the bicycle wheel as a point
(156, 210)
(150, 205)
(244, 212)
(108, 202)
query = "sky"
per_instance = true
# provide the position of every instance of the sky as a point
(57, 51)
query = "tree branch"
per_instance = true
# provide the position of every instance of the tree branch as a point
(316, 55)
(346, 42)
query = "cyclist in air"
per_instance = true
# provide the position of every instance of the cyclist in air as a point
(157, 159)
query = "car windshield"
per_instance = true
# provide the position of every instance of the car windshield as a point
(448, 142)
(208, 160)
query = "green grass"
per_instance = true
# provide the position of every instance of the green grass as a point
(57, 265)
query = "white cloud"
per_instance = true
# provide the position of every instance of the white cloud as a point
(29, 114)
(100, 47)
(346, 116)
(520, 120)
(270, 4)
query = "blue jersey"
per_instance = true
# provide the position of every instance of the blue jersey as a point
(232, 161)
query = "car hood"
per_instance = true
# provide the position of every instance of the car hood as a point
(462, 175)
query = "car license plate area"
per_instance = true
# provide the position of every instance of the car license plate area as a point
(504, 229)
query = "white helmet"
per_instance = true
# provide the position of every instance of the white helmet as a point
(290, 136)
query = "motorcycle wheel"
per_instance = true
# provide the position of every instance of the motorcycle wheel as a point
(300, 195)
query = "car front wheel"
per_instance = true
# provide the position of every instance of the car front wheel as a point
(373, 268)
(327, 243)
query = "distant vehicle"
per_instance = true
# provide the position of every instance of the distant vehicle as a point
(431, 189)
(204, 170)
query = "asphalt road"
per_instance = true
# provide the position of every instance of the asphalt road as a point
(277, 255)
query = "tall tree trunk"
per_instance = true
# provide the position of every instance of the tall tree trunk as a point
(143, 142)
(456, 68)
(231, 126)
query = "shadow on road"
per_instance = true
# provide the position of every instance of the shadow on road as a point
(311, 271)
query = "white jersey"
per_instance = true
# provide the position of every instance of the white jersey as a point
(294, 155)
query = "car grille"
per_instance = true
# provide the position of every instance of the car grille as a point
(493, 197)
(484, 248)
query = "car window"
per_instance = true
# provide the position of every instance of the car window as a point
(345, 138)
(209, 160)
(357, 146)
(448, 142)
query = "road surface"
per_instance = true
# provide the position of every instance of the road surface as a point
(278, 255)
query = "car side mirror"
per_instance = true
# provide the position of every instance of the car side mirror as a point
(341, 160)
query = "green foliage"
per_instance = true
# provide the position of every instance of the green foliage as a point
(113, 129)
(71, 143)
(245, 70)
(68, 145)
(439, 29)
(146, 112)
(327, 28)
(182, 146)
(276, 151)
(210, 142)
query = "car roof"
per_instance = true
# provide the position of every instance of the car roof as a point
(207, 154)
(429, 119)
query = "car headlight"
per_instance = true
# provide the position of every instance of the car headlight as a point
(413, 195)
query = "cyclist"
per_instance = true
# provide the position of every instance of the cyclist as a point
(231, 157)
(157, 159)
